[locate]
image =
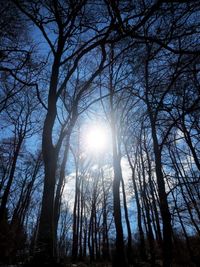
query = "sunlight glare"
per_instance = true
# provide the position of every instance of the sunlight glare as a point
(96, 139)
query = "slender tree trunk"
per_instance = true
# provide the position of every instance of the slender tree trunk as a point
(155, 210)
(81, 225)
(105, 240)
(75, 234)
(146, 210)
(119, 258)
(58, 196)
(139, 215)
(129, 244)
(183, 228)
(96, 235)
(90, 237)
(178, 174)
(85, 235)
(164, 208)
(6, 193)
(185, 181)
(189, 142)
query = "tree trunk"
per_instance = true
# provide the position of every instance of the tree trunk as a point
(165, 213)
(6, 193)
(147, 209)
(75, 233)
(105, 241)
(45, 242)
(129, 244)
(152, 189)
(164, 208)
(119, 257)
(57, 201)
(139, 215)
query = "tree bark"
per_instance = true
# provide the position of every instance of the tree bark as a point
(139, 213)
(6, 193)
(164, 208)
(45, 252)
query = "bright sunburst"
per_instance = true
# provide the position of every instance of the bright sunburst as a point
(96, 138)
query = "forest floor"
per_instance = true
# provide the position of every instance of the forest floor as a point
(84, 264)
(139, 264)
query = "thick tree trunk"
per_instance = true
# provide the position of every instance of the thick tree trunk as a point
(45, 241)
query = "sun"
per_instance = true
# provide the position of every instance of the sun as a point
(96, 139)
